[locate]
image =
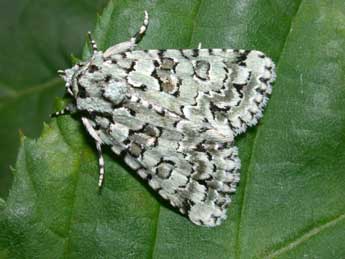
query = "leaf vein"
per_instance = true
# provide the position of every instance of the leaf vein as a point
(155, 233)
(73, 202)
(305, 237)
(31, 90)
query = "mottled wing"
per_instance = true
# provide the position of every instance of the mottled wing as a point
(195, 167)
(212, 84)
(177, 125)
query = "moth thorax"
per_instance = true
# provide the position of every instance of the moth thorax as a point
(115, 91)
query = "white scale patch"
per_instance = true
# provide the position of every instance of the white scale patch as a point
(172, 115)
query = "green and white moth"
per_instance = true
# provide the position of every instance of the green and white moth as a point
(172, 115)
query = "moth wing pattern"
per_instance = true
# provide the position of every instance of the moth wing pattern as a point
(177, 125)
(234, 84)
(172, 115)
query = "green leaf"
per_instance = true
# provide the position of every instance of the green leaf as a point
(38, 38)
(290, 202)
(2, 204)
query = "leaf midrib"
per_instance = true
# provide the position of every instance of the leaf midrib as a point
(305, 236)
(31, 90)
(67, 245)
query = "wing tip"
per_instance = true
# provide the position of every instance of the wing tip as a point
(264, 71)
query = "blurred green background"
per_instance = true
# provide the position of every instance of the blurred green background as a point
(37, 38)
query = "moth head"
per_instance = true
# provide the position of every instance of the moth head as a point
(72, 75)
(97, 72)
(68, 75)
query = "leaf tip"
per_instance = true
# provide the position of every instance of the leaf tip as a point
(21, 136)
(60, 103)
(75, 59)
(46, 128)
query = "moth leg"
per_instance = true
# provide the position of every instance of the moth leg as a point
(61, 73)
(140, 34)
(131, 44)
(99, 142)
(100, 163)
(92, 42)
(199, 45)
(69, 109)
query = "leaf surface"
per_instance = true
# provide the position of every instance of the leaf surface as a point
(37, 38)
(289, 202)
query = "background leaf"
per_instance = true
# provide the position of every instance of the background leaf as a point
(37, 38)
(290, 200)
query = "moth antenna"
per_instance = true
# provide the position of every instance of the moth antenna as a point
(140, 34)
(92, 42)
(61, 72)
(199, 45)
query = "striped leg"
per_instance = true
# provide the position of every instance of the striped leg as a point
(61, 73)
(101, 164)
(94, 135)
(92, 42)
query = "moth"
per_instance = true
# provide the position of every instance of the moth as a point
(172, 116)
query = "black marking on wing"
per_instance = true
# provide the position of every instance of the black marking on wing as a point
(184, 55)
(264, 80)
(195, 52)
(202, 70)
(92, 68)
(178, 85)
(131, 68)
(239, 88)
(82, 93)
(242, 57)
(216, 109)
